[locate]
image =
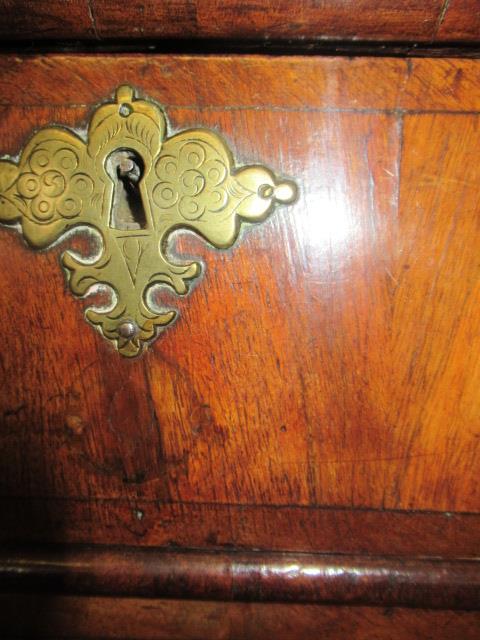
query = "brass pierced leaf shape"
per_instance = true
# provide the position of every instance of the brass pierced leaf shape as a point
(186, 181)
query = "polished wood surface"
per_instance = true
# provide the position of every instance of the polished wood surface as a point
(319, 393)
(244, 576)
(141, 619)
(307, 368)
(218, 526)
(104, 20)
(460, 20)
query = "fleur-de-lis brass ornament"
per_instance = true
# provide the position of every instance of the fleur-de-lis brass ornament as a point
(134, 187)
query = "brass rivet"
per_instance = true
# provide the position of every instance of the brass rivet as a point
(125, 110)
(127, 329)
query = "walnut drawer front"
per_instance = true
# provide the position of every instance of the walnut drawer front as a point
(315, 405)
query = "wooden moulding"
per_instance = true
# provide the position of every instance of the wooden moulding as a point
(216, 527)
(104, 20)
(244, 576)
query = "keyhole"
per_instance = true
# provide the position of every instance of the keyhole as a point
(126, 168)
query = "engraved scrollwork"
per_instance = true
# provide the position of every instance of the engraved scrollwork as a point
(52, 189)
(192, 180)
(188, 180)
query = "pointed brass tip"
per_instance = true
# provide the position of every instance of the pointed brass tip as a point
(286, 192)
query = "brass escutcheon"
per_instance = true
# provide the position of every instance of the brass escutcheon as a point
(134, 187)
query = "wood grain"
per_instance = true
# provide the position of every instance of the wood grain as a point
(107, 19)
(226, 81)
(46, 19)
(225, 526)
(460, 20)
(430, 22)
(319, 392)
(241, 576)
(140, 619)
(317, 407)
(282, 19)
(242, 83)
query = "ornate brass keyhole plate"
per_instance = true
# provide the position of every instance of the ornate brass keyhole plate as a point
(135, 187)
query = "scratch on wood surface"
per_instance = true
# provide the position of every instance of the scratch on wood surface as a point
(91, 15)
(441, 17)
(389, 273)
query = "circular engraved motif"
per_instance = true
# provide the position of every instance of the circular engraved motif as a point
(42, 208)
(51, 187)
(70, 206)
(193, 182)
(190, 209)
(216, 171)
(164, 196)
(39, 160)
(66, 160)
(53, 184)
(166, 168)
(82, 185)
(192, 154)
(28, 185)
(218, 200)
(57, 192)
(170, 168)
